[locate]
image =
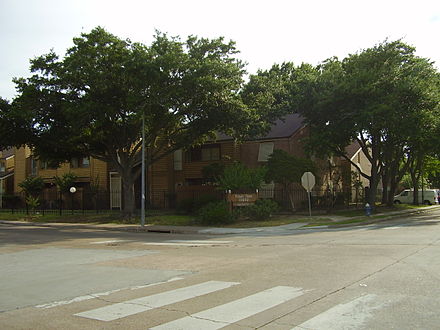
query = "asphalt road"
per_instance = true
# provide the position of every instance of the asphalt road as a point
(374, 277)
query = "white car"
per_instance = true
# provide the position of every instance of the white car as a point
(428, 197)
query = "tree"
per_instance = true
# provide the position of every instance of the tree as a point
(238, 178)
(65, 182)
(275, 93)
(32, 186)
(378, 98)
(286, 169)
(13, 130)
(432, 171)
(93, 100)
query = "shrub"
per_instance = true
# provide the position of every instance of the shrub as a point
(238, 177)
(192, 205)
(32, 185)
(203, 200)
(262, 209)
(32, 202)
(214, 213)
(65, 182)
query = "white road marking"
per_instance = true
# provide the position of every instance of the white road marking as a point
(153, 284)
(223, 315)
(135, 306)
(351, 315)
(100, 294)
(109, 242)
(391, 228)
(187, 243)
(201, 242)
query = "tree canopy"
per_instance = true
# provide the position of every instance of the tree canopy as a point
(386, 98)
(92, 101)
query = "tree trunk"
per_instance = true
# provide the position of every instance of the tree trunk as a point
(385, 185)
(128, 193)
(289, 191)
(374, 182)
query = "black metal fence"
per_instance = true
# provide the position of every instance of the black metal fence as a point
(185, 198)
(57, 202)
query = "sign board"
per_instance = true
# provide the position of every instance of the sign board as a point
(242, 199)
(308, 181)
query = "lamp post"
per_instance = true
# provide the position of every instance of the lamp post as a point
(143, 174)
(72, 191)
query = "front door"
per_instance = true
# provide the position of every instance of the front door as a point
(115, 191)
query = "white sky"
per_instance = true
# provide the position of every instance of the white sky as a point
(266, 32)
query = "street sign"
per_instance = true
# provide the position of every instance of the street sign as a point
(308, 181)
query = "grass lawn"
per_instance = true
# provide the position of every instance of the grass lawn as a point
(172, 219)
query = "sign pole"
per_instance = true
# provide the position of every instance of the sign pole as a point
(310, 205)
(308, 182)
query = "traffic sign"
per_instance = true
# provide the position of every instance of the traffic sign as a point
(308, 181)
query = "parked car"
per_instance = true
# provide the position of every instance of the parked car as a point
(428, 197)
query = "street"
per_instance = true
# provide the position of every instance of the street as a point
(380, 276)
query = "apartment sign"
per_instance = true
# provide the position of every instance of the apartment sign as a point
(242, 199)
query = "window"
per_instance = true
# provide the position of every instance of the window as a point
(178, 160)
(204, 153)
(2, 166)
(265, 150)
(81, 162)
(85, 162)
(46, 165)
(33, 166)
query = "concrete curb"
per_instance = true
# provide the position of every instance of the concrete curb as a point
(222, 231)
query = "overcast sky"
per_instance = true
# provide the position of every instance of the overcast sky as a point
(266, 32)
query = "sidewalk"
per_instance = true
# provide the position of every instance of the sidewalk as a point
(223, 231)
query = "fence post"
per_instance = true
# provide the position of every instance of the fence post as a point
(60, 202)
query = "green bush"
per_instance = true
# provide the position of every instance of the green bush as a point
(214, 213)
(185, 205)
(32, 185)
(192, 205)
(203, 200)
(65, 182)
(262, 209)
(237, 177)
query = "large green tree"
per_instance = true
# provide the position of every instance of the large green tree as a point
(91, 102)
(380, 97)
(13, 130)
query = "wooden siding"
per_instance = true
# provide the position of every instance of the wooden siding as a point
(19, 167)
(97, 170)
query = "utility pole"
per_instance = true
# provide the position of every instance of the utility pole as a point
(143, 174)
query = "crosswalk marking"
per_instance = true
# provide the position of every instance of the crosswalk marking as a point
(201, 242)
(223, 315)
(111, 241)
(187, 243)
(100, 294)
(351, 315)
(135, 306)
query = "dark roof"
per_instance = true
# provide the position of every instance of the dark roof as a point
(352, 149)
(7, 152)
(282, 128)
